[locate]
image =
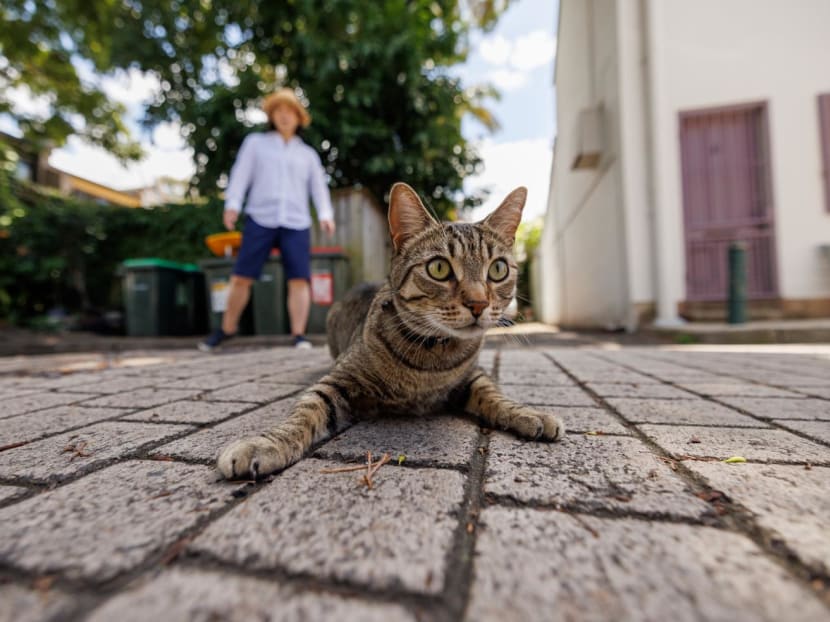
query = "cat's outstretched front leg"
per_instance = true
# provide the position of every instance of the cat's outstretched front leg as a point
(319, 413)
(487, 402)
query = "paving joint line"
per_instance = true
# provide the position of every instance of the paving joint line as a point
(730, 375)
(740, 519)
(140, 453)
(770, 422)
(598, 511)
(308, 582)
(458, 563)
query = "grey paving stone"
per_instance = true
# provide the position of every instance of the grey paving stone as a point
(737, 390)
(39, 401)
(108, 386)
(434, 441)
(648, 390)
(548, 376)
(110, 521)
(550, 396)
(143, 398)
(549, 566)
(589, 472)
(200, 595)
(36, 425)
(212, 381)
(790, 500)
(578, 419)
(782, 408)
(307, 376)
(53, 460)
(816, 429)
(528, 359)
(257, 392)
(7, 493)
(205, 444)
(329, 525)
(680, 412)
(611, 376)
(753, 444)
(191, 411)
(66, 381)
(21, 604)
(11, 392)
(784, 380)
(822, 392)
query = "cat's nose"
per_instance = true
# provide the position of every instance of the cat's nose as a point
(476, 307)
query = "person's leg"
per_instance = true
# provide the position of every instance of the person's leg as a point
(238, 296)
(299, 304)
(295, 246)
(256, 246)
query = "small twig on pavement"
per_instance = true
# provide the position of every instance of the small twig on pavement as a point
(367, 479)
(384, 459)
(77, 450)
(369, 466)
(346, 469)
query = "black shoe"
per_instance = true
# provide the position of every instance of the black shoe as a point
(214, 341)
(301, 343)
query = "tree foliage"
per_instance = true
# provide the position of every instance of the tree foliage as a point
(45, 46)
(376, 73)
(64, 252)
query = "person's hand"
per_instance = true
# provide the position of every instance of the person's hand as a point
(327, 227)
(229, 218)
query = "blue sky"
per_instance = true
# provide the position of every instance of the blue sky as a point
(517, 57)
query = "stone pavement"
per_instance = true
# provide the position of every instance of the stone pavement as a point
(110, 508)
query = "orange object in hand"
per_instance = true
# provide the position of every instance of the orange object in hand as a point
(224, 244)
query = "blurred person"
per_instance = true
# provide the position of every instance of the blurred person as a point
(278, 172)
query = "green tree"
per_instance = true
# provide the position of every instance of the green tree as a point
(45, 46)
(376, 73)
(528, 237)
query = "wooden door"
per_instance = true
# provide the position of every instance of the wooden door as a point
(726, 198)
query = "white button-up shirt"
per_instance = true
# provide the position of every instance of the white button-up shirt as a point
(278, 177)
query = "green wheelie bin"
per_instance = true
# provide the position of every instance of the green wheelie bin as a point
(163, 298)
(329, 282)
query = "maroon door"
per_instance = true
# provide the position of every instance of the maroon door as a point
(727, 197)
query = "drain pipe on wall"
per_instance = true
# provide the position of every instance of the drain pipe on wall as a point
(662, 132)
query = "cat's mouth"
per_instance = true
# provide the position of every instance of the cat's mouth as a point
(473, 328)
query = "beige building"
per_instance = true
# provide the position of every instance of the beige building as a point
(33, 166)
(682, 127)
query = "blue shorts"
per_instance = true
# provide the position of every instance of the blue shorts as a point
(257, 242)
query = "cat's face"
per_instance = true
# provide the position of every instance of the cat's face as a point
(452, 279)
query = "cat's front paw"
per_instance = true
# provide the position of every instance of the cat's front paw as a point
(536, 425)
(252, 457)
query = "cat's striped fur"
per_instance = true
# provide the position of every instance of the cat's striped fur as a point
(410, 346)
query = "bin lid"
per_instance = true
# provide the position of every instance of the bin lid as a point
(327, 251)
(155, 262)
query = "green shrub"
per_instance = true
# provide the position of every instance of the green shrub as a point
(57, 251)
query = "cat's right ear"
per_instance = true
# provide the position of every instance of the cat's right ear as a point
(407, 215)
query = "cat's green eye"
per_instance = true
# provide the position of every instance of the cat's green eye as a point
(439, 269)
(498, 270)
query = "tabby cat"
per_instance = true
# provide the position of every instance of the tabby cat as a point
(410, 346)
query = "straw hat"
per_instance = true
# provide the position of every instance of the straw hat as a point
(286, 96)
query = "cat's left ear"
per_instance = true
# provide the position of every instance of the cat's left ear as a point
(505, 220)
(407, 215)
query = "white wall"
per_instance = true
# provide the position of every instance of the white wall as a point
(588, 238)
(634, 153)
(720, 52)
